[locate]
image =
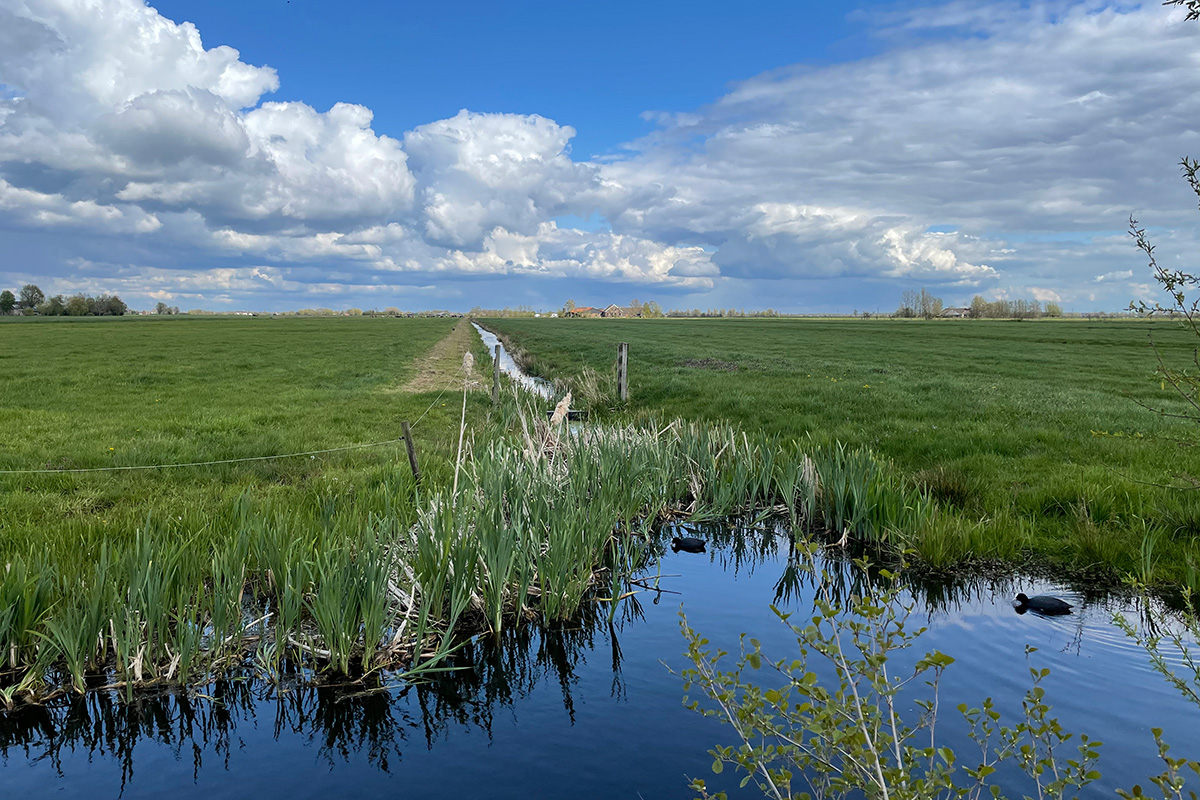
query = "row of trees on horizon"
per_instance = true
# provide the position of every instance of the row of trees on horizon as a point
(652, 310)
(32, 301)
(923, 304)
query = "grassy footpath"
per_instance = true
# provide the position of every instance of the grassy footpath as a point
(1028, 434)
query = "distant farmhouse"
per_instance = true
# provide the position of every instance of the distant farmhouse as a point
(956, 313)
(608, 311)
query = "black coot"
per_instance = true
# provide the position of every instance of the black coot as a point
(1041, 604)
(688, 544)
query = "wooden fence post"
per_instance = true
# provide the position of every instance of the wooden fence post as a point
(496, 378)
(412, 451)
(623, 371)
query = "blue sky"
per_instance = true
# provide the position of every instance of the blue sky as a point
(596, 67)
(802, 156)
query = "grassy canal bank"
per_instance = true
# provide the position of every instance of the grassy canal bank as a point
(1033, 437)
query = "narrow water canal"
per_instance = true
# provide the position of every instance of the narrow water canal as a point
(509, 366)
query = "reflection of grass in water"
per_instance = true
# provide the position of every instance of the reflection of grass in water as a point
(1029, 435)
(342, 721)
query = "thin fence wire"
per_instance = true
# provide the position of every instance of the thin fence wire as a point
(196, 463)
(429, 408)
(431, 405)
(223, 460)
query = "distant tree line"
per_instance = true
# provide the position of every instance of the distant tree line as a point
(923, 304)
(919, 304)
(32, 301)
(390, 311)
(649, 309)
(1012, 309)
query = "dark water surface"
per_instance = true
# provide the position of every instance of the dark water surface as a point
(588, 711)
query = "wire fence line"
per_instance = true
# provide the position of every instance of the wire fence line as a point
(195, 463)
(313, 453)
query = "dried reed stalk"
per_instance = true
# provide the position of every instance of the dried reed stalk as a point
(468, 368)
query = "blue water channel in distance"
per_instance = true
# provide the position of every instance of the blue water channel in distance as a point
(589, 710)
(509, 366)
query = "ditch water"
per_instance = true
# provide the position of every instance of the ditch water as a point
(589, 710)
(509, 367)
(592, 709)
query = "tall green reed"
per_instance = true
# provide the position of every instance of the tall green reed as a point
(26, 597)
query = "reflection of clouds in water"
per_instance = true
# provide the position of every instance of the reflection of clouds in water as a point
(961, 623)
(963, 610)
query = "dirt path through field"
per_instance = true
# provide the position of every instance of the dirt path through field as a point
(441, 367)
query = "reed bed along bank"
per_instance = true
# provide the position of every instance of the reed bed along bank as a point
(542, 522)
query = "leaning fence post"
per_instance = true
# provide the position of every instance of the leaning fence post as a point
(412, 451)
(623, 371)
(496, 378)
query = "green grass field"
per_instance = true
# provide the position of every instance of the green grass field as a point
(95, 393)
(1030, 432)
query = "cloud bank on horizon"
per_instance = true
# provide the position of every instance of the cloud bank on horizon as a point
(988, 149)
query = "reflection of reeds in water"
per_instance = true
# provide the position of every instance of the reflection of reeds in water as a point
(491, 673)
(340, 721)
(844, 574)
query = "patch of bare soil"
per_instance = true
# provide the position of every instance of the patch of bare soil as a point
(441, 367)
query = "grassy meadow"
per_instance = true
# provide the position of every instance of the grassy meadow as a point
(126, 578)
(96, 393)
(1029, 434)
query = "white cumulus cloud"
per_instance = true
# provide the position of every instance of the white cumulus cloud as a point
(987, 146)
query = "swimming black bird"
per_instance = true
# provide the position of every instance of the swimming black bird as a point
(688, 544)
(1041, 604)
